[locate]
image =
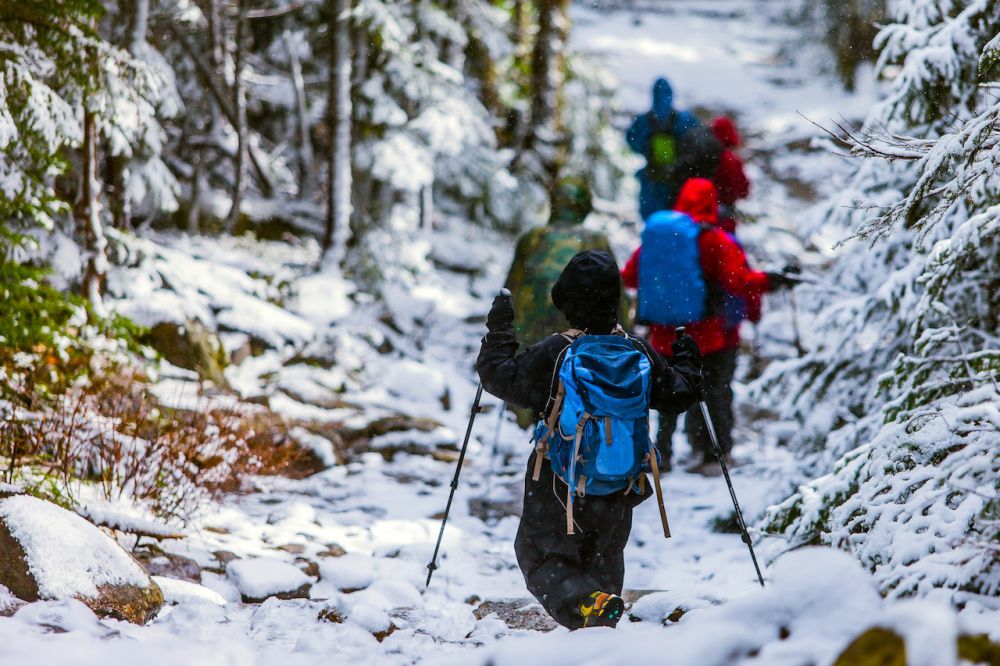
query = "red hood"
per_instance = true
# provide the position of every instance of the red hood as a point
(699, 199)
(725, 131)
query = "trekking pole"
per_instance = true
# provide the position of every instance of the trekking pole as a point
(432, 565)
(725, 471)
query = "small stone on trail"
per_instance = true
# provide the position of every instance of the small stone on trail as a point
(331, 615)
(158, 562)
(307, 566)
(382, 635)
(518, 614)
(225, 557)
(333, 550)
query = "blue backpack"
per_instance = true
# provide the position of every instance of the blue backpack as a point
(672, 289)
(597, 432)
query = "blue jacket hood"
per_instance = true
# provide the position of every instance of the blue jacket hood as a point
(663, 98)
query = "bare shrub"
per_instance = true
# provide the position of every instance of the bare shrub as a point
(116, 434)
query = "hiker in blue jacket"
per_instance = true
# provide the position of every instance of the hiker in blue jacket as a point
(654, 135)
(577, 577)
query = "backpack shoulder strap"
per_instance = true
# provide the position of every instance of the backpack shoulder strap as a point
(554, 382)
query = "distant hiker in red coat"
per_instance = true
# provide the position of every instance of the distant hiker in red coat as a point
(725, 270)
(729, 178)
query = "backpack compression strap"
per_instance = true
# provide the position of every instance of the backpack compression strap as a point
(572, 473)
(542, 444)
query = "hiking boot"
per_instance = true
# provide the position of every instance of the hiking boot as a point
(600, 609)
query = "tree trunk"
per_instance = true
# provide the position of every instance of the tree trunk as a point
(546, 84)
(114, 176)
(307, 180)
(96, 245)
(216, 51)
(338, 213)
(194, 212)
(135, 40)
(479, 63)
(224, 103)
(240, 106)
(139, 25)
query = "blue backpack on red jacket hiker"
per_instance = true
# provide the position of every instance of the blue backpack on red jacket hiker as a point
(597, 432)
(672, 287)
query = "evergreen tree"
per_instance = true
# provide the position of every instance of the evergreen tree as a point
(916, 317)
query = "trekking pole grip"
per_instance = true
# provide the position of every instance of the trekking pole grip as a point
(699, 390)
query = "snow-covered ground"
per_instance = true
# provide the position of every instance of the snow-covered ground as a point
(414, 357)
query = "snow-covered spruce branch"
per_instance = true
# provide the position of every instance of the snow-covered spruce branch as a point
(947, 169)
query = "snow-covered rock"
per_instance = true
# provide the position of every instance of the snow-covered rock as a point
(183, 592)
(47, 552)
(414, 381)
(260, 578)
(192, 346)
(353, 571)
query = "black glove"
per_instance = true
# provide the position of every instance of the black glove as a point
(501, 314)
(780, 281)
(792, 268)
(685, 347)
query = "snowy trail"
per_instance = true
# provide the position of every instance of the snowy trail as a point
(384, 513)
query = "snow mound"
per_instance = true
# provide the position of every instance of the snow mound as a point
(414, 381)
(63, 616)
(819, 600)
(182, 592)
(266, 321)
(66, 555)
(353, 571)
(7, 600)
(261, 577)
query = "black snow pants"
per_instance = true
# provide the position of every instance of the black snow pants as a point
(718, 370)
(561, 569)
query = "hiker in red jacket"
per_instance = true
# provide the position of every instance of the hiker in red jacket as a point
(729, 178)
(725, 270)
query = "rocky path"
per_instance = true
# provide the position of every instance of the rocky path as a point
(300, 571)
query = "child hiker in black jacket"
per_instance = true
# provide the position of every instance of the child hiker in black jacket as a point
(576, 577)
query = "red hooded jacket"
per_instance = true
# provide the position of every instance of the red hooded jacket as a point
(729, 177)
(723, 262)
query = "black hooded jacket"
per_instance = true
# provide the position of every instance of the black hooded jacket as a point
(587, 292)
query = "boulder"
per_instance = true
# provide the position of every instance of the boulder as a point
(47, 552)
(875, 647)
(190, 346)
(879, 646)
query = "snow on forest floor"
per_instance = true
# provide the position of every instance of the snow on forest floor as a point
(368, 606)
